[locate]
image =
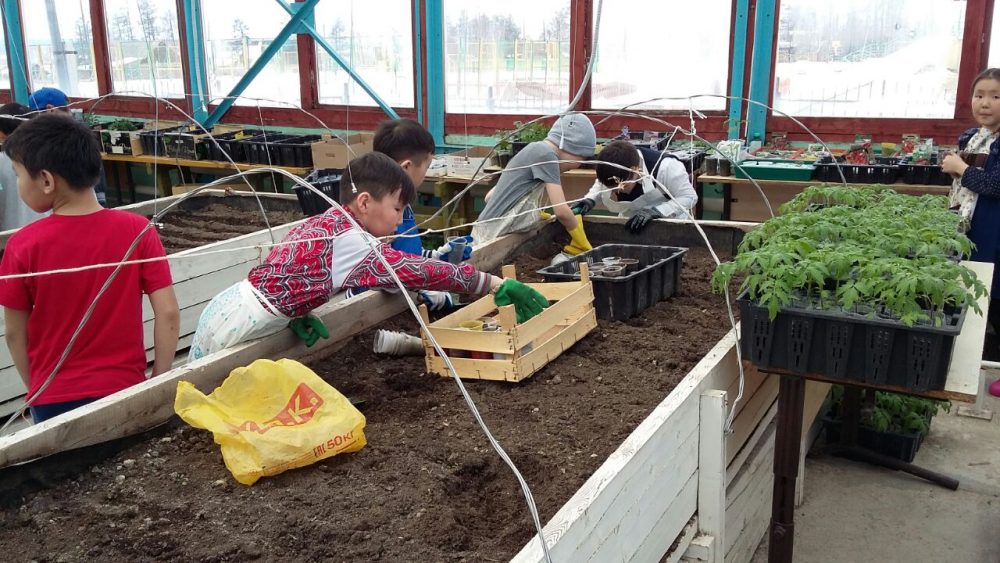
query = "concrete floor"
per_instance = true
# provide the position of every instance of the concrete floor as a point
(855, 512)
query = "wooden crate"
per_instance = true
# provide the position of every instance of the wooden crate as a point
(519, 350)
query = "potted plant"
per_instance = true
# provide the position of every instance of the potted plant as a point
(891, 424)
(503, 147)
(851, 282)
(120, 136)
(524, 134)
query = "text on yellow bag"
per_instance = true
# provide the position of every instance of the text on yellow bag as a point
(272, 416)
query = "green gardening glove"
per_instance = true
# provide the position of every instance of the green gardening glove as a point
(309, 328)
(527, 302)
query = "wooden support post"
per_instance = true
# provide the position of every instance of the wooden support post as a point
(712, 472)
(791, 396)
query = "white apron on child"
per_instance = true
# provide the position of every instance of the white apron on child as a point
(236, 315)
(961, 197)
(524, 216)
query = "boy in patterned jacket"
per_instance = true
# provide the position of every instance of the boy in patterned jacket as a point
(327, 254)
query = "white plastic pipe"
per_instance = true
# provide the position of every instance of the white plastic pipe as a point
(989, 364)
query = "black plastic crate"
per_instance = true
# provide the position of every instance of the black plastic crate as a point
(230, 143)
(327, 180)
(850, 346)
(657, 277)
(152, 140)
(296, 151)
(927, 174)
(897, 446)
(262, 149)
(186, 144)
(857, 173)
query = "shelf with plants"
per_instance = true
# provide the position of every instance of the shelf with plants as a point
(855, 283)
(891, 424)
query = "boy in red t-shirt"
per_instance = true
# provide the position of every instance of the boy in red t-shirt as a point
(58, 161)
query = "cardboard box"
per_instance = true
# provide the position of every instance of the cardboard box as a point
(465, 163)
(336, 152)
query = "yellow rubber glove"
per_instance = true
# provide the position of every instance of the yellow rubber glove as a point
(578, 240)
(545, 215)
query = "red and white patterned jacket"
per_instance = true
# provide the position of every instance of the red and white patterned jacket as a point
(297, 278)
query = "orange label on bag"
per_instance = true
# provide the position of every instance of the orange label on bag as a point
(301, 407)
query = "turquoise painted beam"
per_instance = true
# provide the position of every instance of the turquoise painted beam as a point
(197, 74)
(301, 14)
(737, 71)
(435, 69)
(760, 69)
(308, 28)
(418, 59)
(15, 47)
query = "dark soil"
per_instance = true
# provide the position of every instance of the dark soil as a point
(427, 487)
(184, 228)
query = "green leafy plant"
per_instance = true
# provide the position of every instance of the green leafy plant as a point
(867, 251)
(900, 414)
(535, 131)
(504, 139)
(122, 125)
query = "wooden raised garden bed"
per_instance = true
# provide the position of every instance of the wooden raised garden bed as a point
(630, 432)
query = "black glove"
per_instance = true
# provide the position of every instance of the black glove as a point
(583, 207)
(639, 221)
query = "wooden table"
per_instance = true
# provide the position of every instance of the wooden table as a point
(962, 384)
(117, 168)
(742, 201)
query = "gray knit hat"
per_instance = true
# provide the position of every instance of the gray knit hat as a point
(575, 134)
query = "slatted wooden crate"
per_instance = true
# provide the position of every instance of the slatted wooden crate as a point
(517, 350)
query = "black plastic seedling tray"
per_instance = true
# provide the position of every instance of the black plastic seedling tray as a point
(327, 180)
(850, 346)
(657, 277)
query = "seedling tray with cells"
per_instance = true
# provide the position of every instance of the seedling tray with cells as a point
(623, 288)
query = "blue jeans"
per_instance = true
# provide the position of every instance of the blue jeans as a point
(45, 412)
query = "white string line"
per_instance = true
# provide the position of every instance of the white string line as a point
(186, 255)
(373, 244)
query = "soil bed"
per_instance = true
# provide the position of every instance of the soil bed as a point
(428, 487)
(190, 228)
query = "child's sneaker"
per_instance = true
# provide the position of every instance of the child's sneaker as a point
(994, 388)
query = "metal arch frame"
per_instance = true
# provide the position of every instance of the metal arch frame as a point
(302, 14)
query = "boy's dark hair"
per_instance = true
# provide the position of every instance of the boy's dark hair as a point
(60, 144)
(988, 74)
(403, 139)
(622, 153)
(378, 175)
(8, 124)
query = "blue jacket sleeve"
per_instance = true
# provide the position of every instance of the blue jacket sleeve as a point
(982, 182)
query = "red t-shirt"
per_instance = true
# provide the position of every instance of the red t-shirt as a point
(109, 354)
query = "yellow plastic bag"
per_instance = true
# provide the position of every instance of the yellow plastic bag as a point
(273, 416)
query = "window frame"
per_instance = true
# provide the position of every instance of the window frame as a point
(974, 54)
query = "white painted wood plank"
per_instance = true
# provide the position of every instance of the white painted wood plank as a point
(572, 522)
(750, 493)
(607, 495)
(701, 549)
(712, 467)
(751, 444)
(629, 521)
(746, 422)
(963, 373)
(754, 512)
(687, 535)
